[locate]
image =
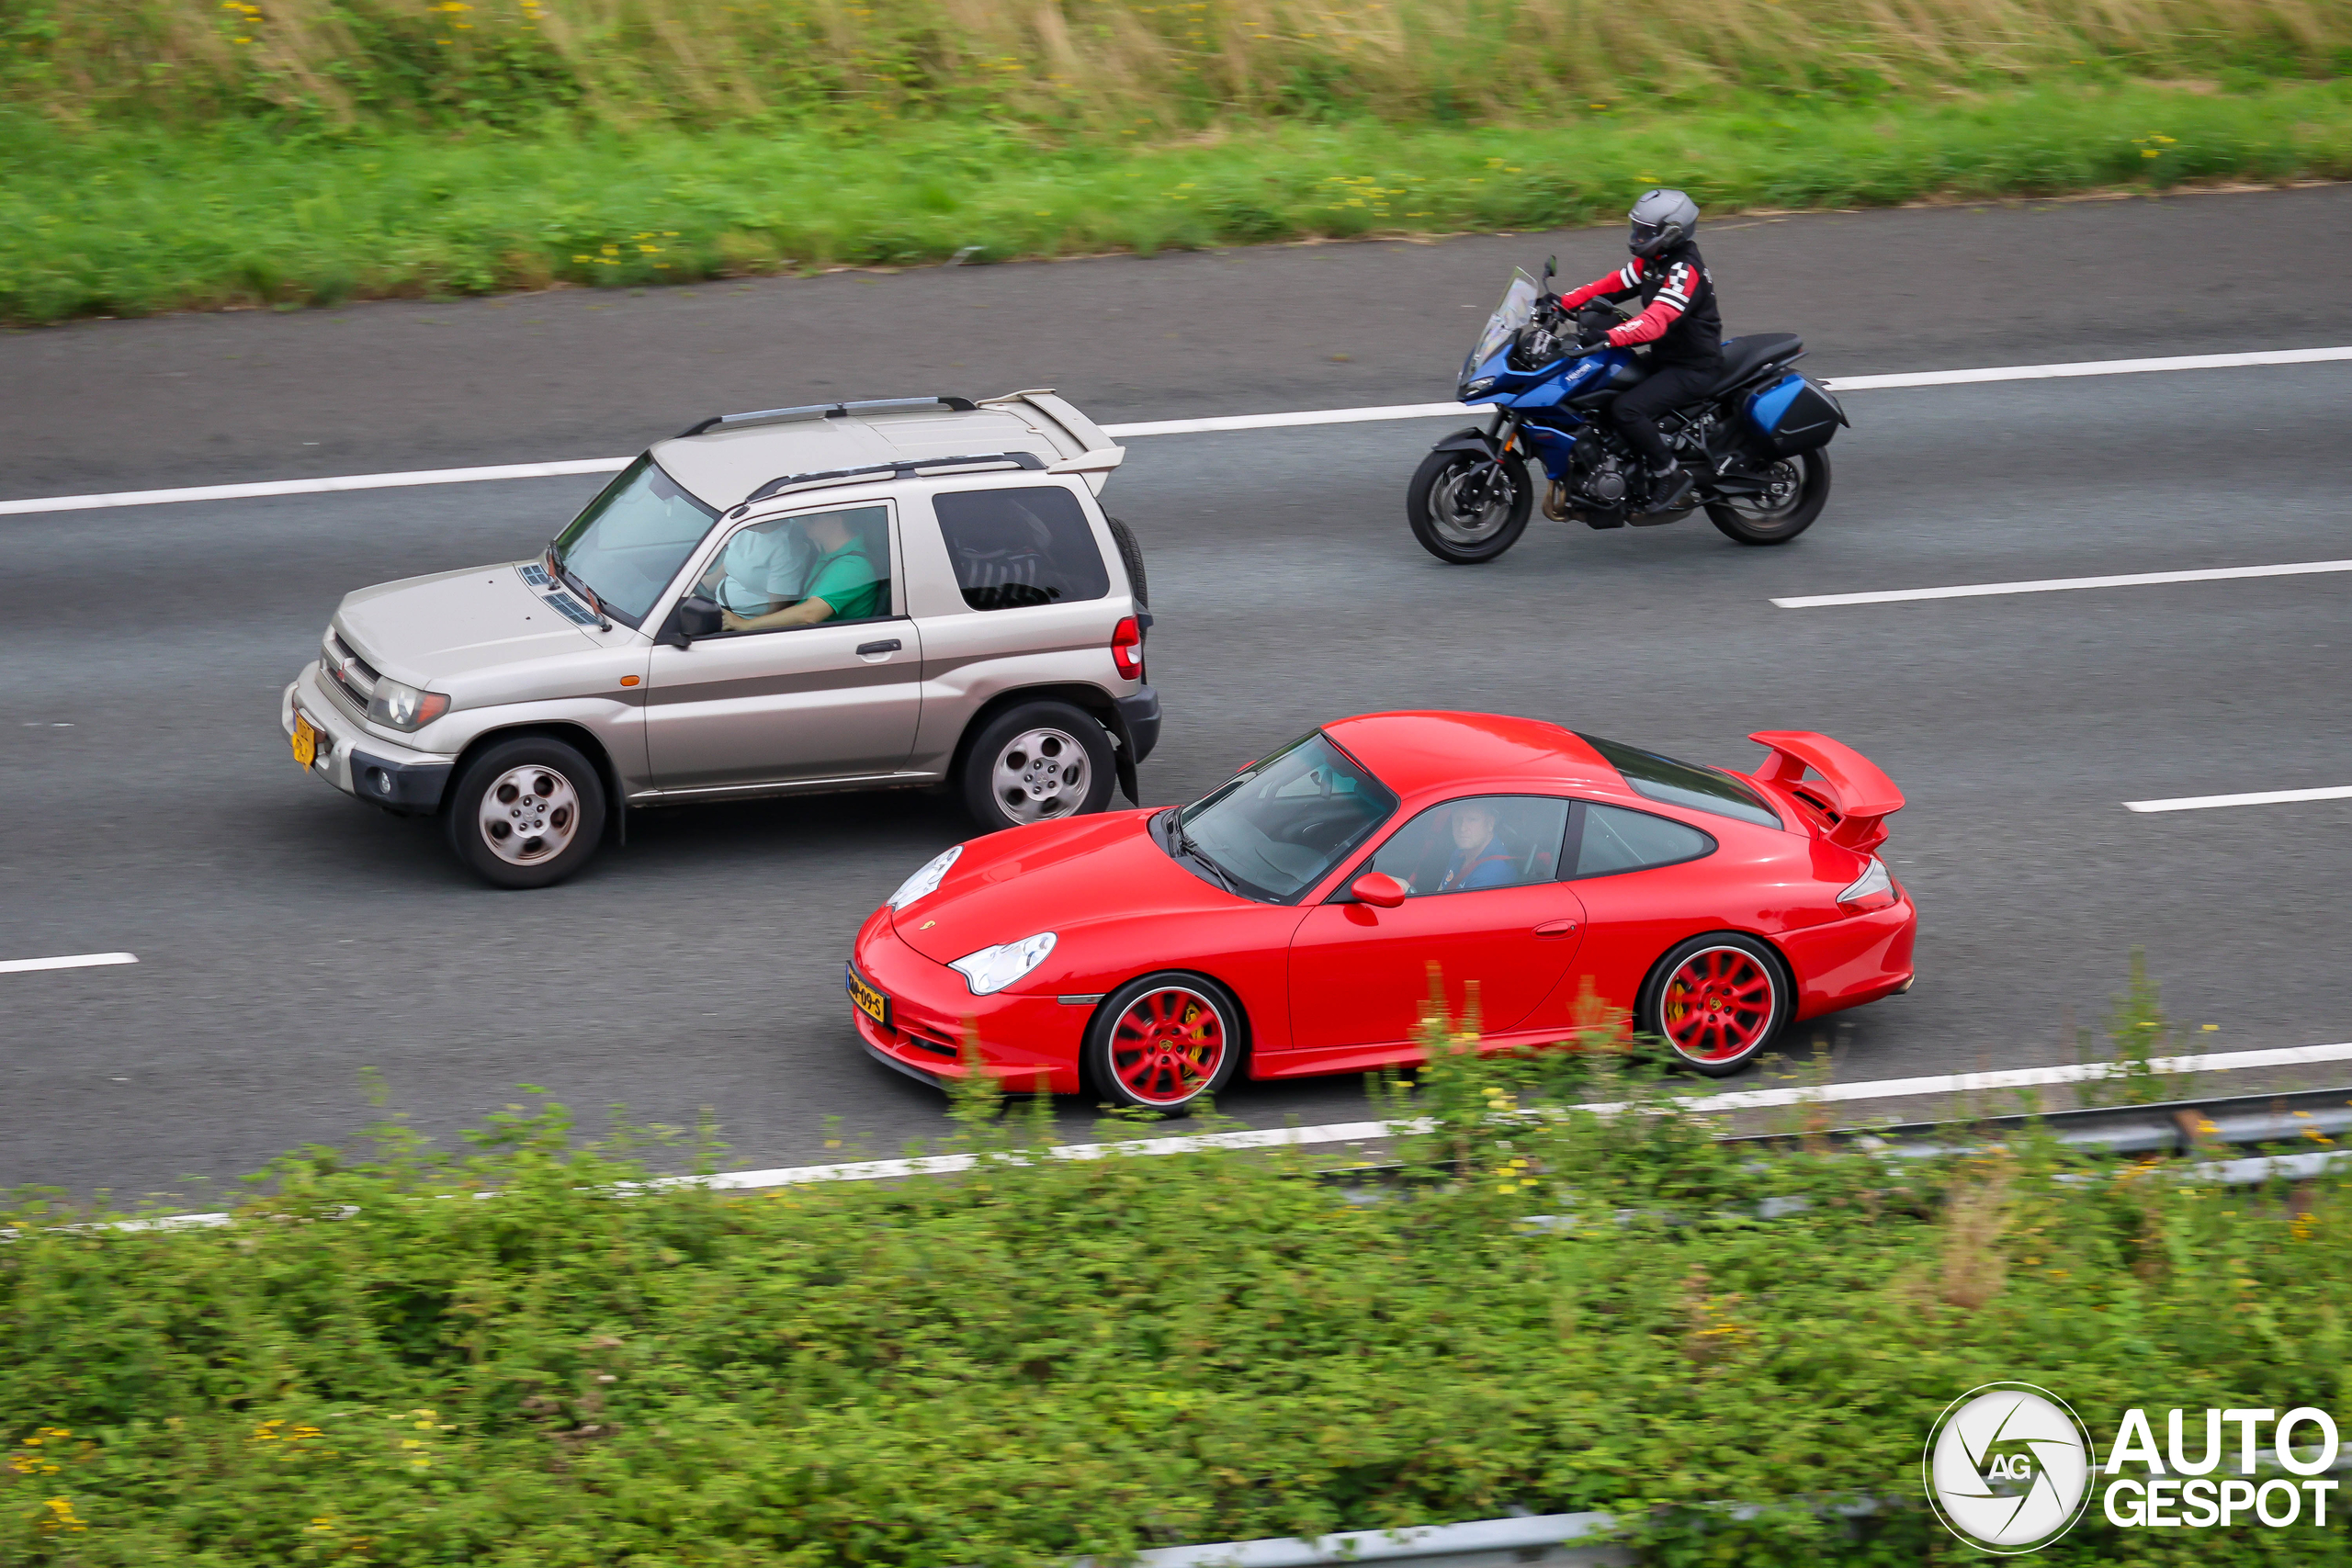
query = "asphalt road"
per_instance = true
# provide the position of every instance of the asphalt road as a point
(291, 942)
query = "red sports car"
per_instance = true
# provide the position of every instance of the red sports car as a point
(1285, 923)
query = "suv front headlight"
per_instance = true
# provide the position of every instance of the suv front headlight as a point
(403, 706)
(993, 968)
(927, 880)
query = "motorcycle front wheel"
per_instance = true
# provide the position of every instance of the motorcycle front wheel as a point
(1467, 507)
(1796, 490)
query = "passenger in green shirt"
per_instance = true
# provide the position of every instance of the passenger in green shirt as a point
(842, 583)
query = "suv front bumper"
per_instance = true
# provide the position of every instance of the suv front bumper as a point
(364, 766)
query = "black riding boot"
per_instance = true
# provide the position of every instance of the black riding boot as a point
(1670, 487)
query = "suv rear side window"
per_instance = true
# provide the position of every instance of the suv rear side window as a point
(1684, 783)
(1021, 546)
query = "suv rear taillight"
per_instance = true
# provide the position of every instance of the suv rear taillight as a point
(1874, 890)
(1126, 648)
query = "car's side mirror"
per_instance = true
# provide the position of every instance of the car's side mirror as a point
(1377, 888)
(698, 616)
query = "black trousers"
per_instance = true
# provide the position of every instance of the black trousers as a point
(1667, 387)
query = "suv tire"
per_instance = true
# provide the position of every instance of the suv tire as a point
(526, 812)
(1036, 763)
(1130, 557)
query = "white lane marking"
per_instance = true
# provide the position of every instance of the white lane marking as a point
(2060, 584)
(2090, 367)
(2260, 797)
(1154, 427)
(315, 487)
(1366, 1131)
(71, 961)
(1308, 416)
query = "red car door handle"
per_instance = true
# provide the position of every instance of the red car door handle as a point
(1555, 928)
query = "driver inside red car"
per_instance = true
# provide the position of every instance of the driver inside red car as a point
(1481, 859)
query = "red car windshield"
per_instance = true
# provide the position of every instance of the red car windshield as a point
(1276, 830)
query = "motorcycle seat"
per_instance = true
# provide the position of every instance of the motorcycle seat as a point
(1744, 357)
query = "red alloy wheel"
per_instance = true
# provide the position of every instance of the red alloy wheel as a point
(1718, 1004)
(1167, 1046)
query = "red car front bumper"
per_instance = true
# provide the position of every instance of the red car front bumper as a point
(1021, 1039)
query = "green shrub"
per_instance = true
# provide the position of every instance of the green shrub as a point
(381, 1361)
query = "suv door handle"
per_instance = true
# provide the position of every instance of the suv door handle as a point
(888, 645)
(1555, 928)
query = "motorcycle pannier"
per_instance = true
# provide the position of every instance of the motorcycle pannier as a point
(1793, 414)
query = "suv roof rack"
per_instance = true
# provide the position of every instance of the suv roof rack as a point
(897, 469)
(825, 410)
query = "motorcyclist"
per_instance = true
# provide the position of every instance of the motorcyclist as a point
(1678, 320)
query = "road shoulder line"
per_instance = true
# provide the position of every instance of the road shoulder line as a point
(265, 488)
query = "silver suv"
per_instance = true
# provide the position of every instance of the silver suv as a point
(861, 595)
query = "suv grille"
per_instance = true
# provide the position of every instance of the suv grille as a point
(353, 674)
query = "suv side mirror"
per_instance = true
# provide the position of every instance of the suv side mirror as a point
(698, 616)
(1377, 888)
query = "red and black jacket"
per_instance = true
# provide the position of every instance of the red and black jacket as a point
(1679, 319)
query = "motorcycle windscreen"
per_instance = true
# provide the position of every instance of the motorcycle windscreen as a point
(1516, 311)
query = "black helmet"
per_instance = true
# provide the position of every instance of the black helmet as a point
(1662, 219)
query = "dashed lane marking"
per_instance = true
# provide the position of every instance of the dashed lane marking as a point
(2060, 584)
(71, 961)
(2260, 797)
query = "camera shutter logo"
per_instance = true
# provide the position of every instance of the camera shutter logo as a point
(2009, 1466)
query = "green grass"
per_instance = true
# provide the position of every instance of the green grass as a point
(1031, 1361)
(123, 221)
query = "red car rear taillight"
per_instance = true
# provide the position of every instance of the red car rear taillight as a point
(1126, 649)
(1874, 890)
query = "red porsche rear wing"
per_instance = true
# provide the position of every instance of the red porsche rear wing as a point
(1850, 794)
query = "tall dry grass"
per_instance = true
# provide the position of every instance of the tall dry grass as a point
(1137, 65)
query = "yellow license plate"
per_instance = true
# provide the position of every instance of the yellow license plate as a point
(870, 1002)
(305, 741)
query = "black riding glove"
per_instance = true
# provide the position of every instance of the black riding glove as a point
(1591, 335)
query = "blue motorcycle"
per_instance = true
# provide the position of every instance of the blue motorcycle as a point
(1754, 445)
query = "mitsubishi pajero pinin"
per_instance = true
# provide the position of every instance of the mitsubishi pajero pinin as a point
(857, 595)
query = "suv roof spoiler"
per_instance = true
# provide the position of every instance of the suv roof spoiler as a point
(826, 410)
(897, 469)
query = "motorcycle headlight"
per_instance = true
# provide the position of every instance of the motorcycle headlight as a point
(1478, 387)
(924, 881)
(404, 707)
(993, 968)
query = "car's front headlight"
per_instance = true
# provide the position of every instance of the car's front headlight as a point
(404, 708)
(993, 968)
(924, 881)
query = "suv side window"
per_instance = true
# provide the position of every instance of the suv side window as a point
(1613, 839)
(843, 557)
(1021, 546)
(1485, 841)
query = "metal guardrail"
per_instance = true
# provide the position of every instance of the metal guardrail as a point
(2172, 1126)
(1542, 1538)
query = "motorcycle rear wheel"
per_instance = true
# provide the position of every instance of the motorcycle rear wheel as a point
(1466, 509)
(1800, 490)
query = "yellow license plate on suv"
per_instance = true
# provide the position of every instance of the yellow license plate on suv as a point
(305, 741)
(870, 1002)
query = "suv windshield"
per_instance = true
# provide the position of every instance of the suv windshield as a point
(1517, 310)
(632, 540)
(1276, 830)
(1684, 783)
